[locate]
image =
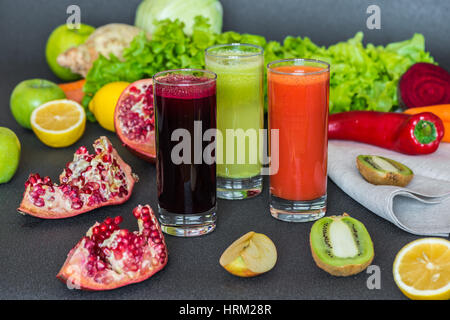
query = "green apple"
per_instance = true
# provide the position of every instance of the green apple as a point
(61, 39)
(9, 154)
(30, 94)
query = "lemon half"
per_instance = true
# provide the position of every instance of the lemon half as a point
(422, 269)
(59, 123)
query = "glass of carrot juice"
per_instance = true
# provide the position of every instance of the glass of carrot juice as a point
(298, 91)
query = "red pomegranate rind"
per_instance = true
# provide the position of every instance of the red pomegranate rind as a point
(424, 84)
(88, 182)
(109, 257)
(134, 119)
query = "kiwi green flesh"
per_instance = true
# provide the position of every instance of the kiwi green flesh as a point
(384, 165)
(341, 241)
(383, 171)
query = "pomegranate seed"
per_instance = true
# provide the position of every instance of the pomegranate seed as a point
(118, 255)
(39, 202)
(148, 224)
(81, 150)
(154, 234)
(134, 268)
(100, 265)
(108, 220)
(89, 244)
(77, 205)
(118, 220)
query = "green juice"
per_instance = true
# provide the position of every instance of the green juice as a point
(240, 105)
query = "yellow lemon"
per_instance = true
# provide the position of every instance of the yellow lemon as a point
(104, 103)
(58, 123)
(422, 269)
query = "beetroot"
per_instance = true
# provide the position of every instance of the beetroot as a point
(134, 119)
(424, 84)
(108, 257)
(89, 181)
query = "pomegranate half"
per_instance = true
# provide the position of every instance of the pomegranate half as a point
(134, 119)
(88, 182)
(109, 257)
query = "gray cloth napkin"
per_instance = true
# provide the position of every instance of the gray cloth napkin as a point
(421, 208)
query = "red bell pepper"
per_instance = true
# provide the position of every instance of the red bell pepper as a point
(410, 134)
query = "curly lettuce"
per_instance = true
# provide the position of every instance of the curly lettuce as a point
(361, 77)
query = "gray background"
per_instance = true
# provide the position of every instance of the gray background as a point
(33, 250)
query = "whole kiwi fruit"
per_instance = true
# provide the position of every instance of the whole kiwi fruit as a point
(341, 245)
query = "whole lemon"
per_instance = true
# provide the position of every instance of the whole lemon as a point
(104, 103)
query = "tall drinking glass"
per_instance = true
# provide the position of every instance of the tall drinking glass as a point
(185, 104)
(298, 91)
(240, 112)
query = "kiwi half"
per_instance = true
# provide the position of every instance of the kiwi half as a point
(384, 171)
(341, 245)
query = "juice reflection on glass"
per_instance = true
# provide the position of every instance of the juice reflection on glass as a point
(240, 107)
(185, 105)
(298, 91)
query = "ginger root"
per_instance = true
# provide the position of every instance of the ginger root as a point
(110, 38)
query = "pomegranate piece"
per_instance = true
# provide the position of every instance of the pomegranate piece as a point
(88, 182)
(109, 257)
(134, 119)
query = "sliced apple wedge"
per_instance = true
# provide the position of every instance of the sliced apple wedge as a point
(250, 255)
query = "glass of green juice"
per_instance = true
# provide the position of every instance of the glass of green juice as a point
(240, 118)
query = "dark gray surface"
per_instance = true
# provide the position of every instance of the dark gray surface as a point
(33, 250)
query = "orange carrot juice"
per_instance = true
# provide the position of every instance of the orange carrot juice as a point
(298, 108)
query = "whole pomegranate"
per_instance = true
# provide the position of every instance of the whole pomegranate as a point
(109, 257)
(134, 119)
(88, 182)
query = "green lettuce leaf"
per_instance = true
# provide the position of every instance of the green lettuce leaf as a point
(361, 77)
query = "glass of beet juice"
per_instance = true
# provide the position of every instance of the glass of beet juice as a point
(185, 104)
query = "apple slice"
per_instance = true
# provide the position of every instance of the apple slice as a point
(250, 255)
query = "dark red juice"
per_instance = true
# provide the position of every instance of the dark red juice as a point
(185, 102)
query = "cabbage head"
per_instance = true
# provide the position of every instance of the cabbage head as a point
(150, 11)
